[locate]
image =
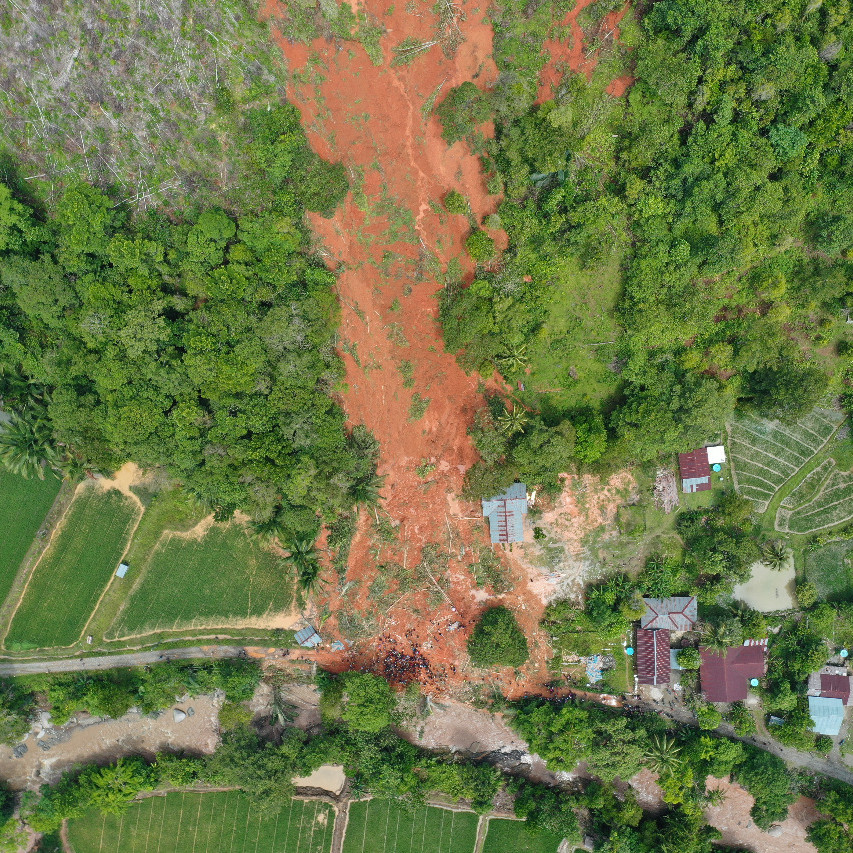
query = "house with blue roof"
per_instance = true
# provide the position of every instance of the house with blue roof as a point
(506, 514)
(827, 714)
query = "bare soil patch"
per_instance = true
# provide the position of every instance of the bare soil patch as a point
(90, 739)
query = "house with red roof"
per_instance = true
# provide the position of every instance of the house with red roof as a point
(725, 676)
(832, 682)
(653, 660)
(678, 613)
(695, 471)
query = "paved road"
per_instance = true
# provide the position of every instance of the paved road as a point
(131, 659)
(806, 760)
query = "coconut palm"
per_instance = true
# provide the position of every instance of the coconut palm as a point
(775, 554)
(722, 635)
(513, 420)
(367, 491)
(27, 447)
(715, 797)
(513, 358)
(303, 558)
(663, 754)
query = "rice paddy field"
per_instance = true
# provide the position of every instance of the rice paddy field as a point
(75, 568)
(23, 507)
(380, 826)
(205, 823)
(511, 836)
(218, 578)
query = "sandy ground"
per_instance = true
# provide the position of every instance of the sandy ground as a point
(733, 820)
(91, 739)
(767, 589)
(329, 777)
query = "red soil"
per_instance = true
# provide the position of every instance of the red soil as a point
(571, 54)
(389, 240)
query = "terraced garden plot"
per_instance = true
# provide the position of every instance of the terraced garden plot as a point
(219, 578)
(23, 506)
(380, 826)
(766, 454)
(512, 836)
(74, 570)
(205, 823)
(831, 502)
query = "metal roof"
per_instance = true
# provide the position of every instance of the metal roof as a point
(308, 637)
(827, 714)
(695, 471)
(677, 613)
(506, 514)
(653, 664)
(725, 677)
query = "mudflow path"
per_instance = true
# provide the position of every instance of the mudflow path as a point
(390, 242)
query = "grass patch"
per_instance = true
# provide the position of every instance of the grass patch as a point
(512, 836)
(23, 506)
(418, 407)
(569, 359)
(381, 825)
(829, 569)
(223, 577)
(215, 823)
(75, 568)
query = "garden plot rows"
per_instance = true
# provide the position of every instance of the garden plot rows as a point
(205, 823)
(826, 500)
(766, 454)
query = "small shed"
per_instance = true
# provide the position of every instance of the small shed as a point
(308, 637)
(716, 454)
(121, 571)
(506, 514)
(827, 714)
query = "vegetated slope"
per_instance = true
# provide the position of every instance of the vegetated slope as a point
(142, 96)
(204, 345)
(720, 181)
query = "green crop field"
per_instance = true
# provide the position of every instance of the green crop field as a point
(205, 823)
(766, 454)
(379, 826)
(826, 500)
(23, 506)
(511, 836)
(830, 569)
(74, 570)
(220, 578)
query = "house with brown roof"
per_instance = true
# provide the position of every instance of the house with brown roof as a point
(677, 613)
(653, 661)
(695, 471)
(832, 682)
(725, 676)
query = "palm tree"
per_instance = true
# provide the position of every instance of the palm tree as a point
(26, 446)
(304, 560)
(715, 797)
(514, 357)
(513, 420)
(366, 491)
(775, 554)
(721, 636)
(663, 755)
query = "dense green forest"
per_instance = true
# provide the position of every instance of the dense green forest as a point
(706, 213)
(204, 343)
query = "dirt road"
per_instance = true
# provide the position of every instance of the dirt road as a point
(132, 659)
